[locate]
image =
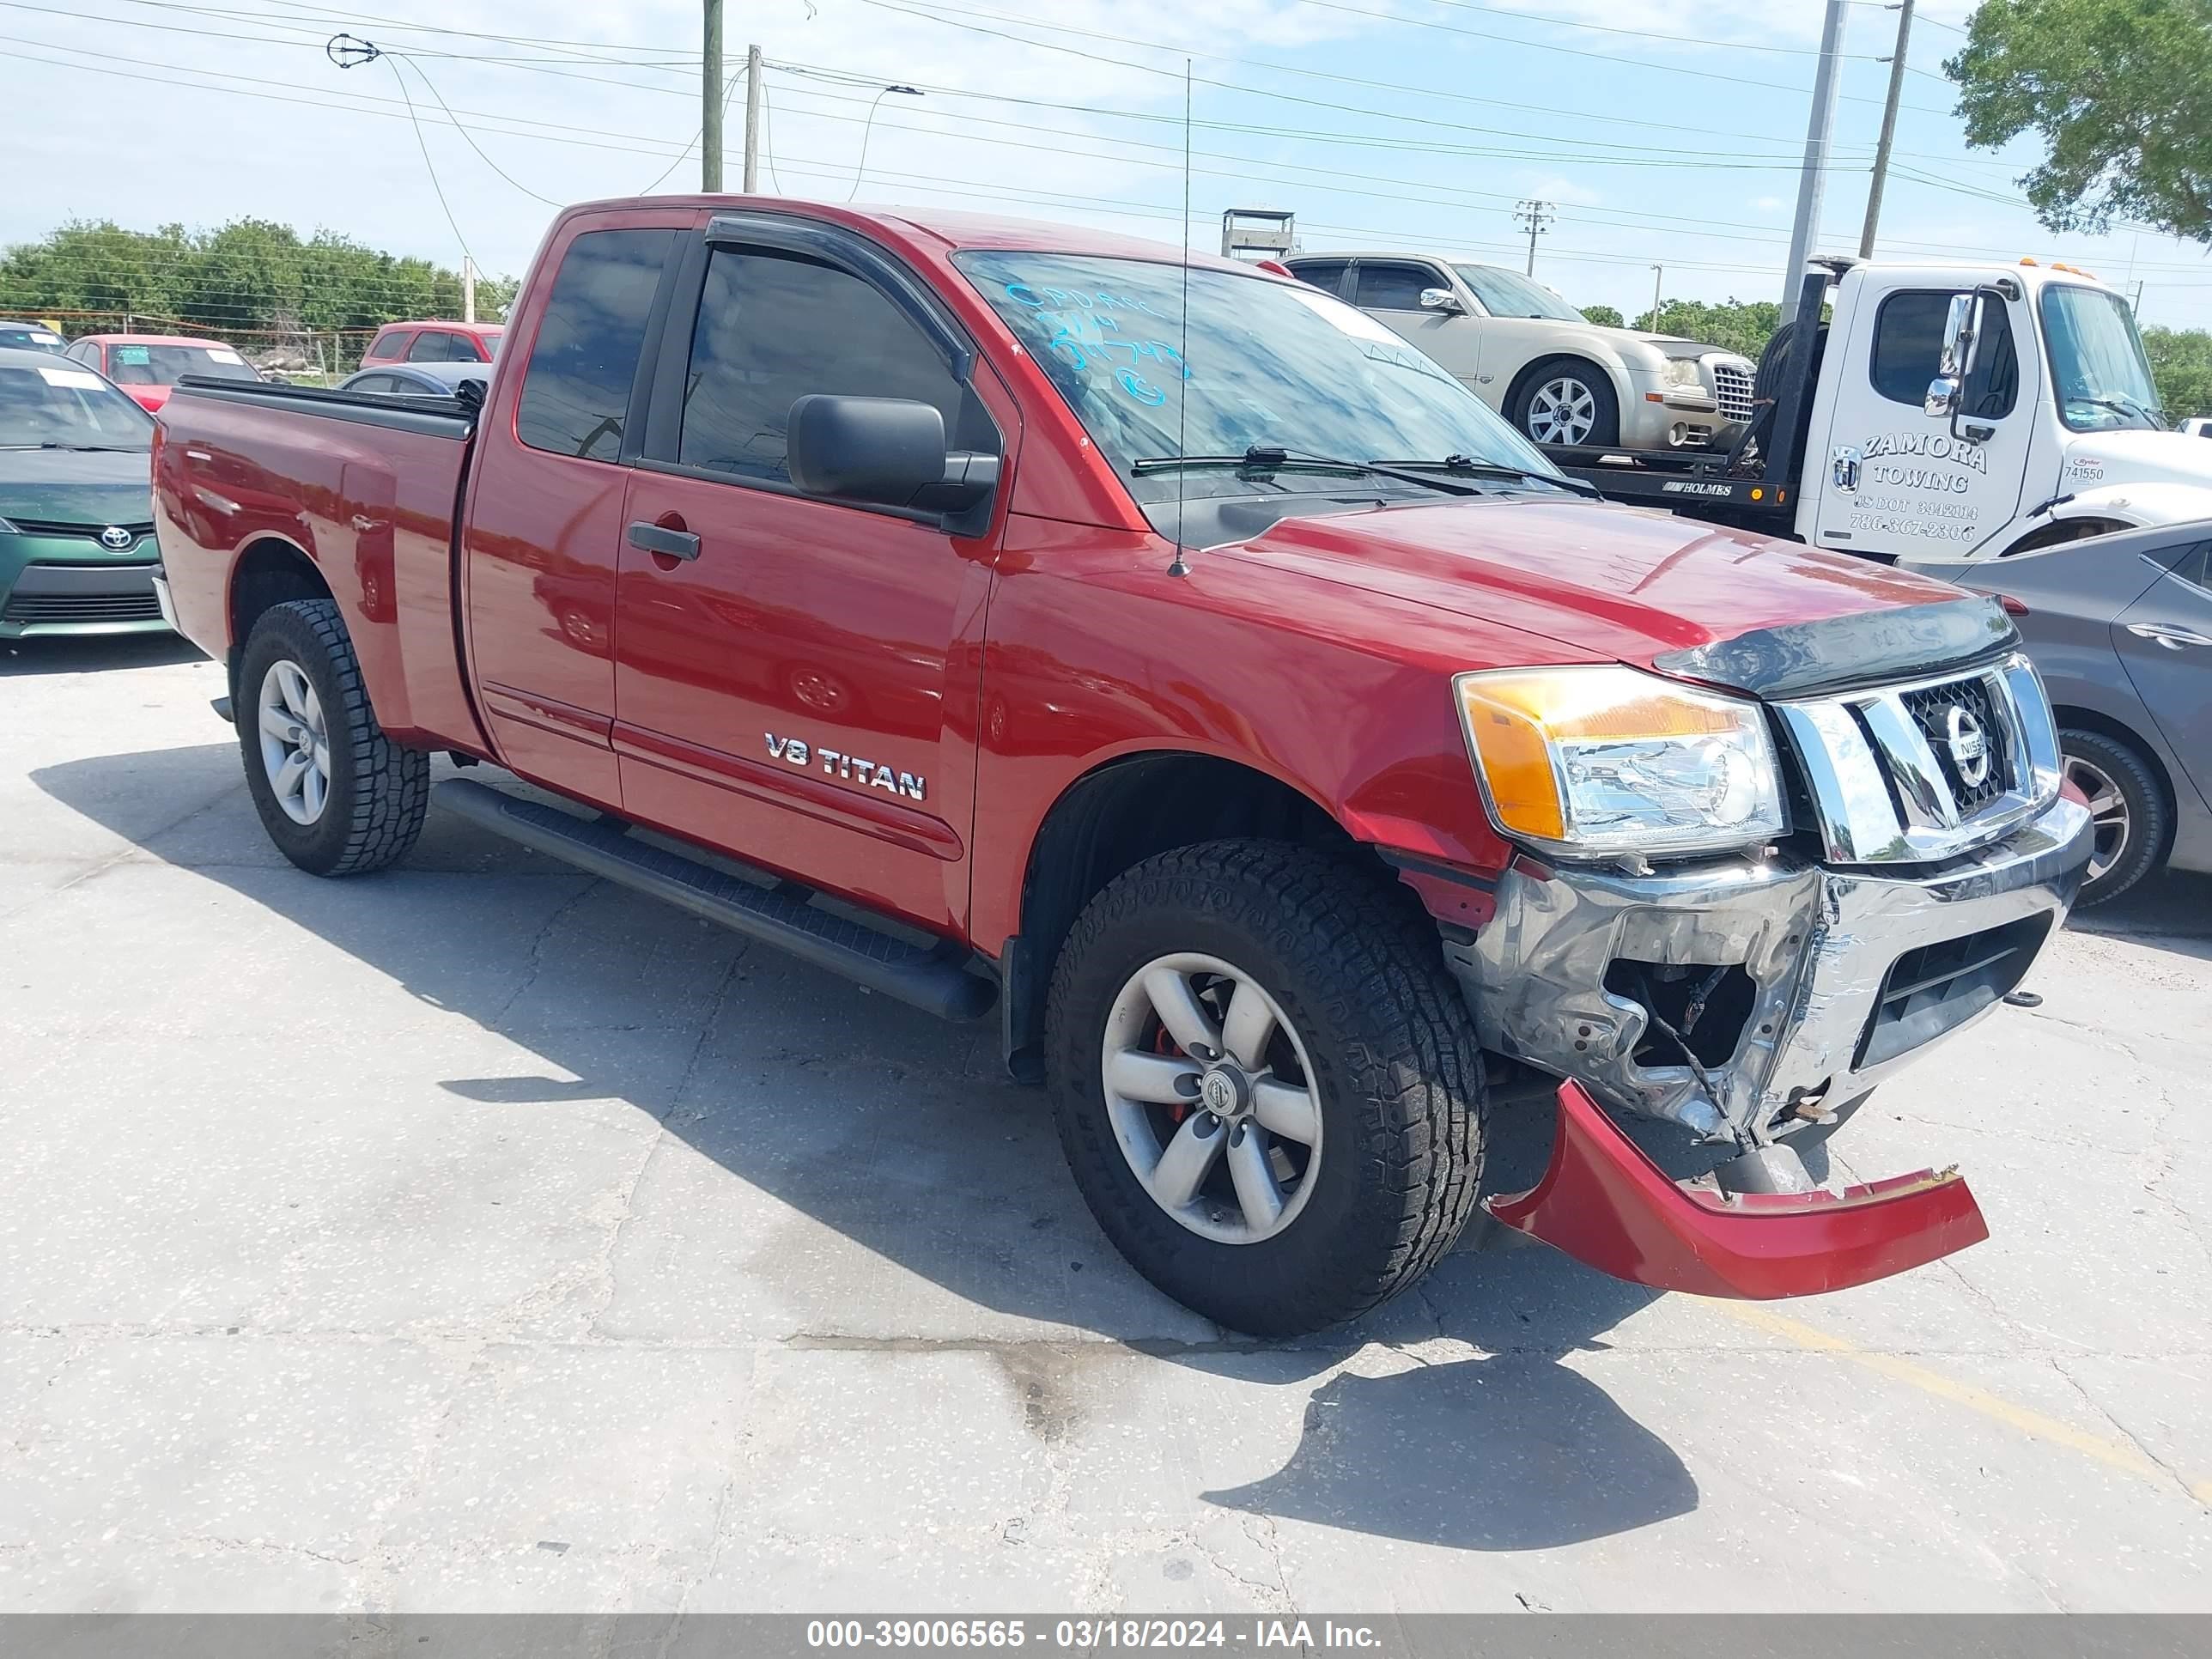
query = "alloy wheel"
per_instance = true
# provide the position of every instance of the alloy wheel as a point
(1212, 1099)
(295, 750)
(2108, 814)
(1563, 411)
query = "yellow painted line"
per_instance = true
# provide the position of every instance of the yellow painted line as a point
(2113, 1454)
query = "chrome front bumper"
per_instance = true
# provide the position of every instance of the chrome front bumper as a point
(1832, 955)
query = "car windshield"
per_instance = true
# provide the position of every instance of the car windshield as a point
(491, 338)
(1507, 294)
(164, 365)
(65, 407)
(1267, 365)
(32, 337)
(2097, 362)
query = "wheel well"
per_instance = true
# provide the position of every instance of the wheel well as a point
(2089, 720)
(271, 572)
(1117, 816)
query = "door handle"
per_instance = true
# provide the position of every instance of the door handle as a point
(669, 544)
(2172, 638)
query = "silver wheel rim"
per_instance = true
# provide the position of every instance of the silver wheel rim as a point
(295, 752)
(1210, 1094)
(2108, 814)
(1563, 411)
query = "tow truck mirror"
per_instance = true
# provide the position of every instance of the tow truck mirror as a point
(1962, 333)
(1440, 299)
(886, 452)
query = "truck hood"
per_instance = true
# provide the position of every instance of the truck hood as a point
(1621, 582)
(2095, 460)
(78, 486)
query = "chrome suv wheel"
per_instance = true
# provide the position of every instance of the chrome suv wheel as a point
(296, 749)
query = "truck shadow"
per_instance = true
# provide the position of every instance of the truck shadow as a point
(900, 1134)
(2169, 911)
(92, 654)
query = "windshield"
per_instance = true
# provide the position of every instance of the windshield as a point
(492, 337)
(32, 337)
(1267, 364)
(164, 365)
(2097, 362)
(1507, 294)
(69, 408)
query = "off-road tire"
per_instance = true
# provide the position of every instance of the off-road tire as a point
(379, 790)
(1395, 1066)
(2150, 823)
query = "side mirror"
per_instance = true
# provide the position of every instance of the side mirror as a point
(1440, 299)
(886, 452)
(1962, 331)
(1942, 402)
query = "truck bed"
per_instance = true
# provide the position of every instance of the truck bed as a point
(248, 479)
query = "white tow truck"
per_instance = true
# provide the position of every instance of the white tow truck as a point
(1945, 412)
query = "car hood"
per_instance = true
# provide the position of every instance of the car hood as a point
(1624, 583)
(76, 486)
(2094, 459)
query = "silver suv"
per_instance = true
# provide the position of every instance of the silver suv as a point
(1533, 357)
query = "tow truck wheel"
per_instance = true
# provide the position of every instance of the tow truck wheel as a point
(1267, 1086)
(335, 795)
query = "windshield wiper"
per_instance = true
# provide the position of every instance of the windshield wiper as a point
(1267, 458)
(1473, 468)
(2126, 405)
(94, 449)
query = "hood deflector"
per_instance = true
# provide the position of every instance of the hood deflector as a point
(1794, 659)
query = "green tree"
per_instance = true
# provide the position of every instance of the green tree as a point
(1741, 325)
(2181, 363)
(1603, 316)
(2118, 91)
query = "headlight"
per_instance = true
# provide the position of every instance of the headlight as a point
(1681, 371)
(1604, 760)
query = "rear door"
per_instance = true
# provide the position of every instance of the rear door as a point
(435, 345)
(544, 523)
(1896, 483)
(781, 690)
(1390, 290)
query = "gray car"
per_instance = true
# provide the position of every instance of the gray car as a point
(2120, 627)
(415, 379)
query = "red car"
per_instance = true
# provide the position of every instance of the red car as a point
(147, 366)
(1167, 656)
(434, 343)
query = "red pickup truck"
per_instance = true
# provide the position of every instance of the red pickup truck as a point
(1166, 655)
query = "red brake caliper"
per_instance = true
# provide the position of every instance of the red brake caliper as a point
(1164, 1044)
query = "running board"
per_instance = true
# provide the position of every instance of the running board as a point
(930, 977)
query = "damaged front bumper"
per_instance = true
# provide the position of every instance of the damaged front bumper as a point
(1790, 986)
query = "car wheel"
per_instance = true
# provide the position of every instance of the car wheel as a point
(2127, 808)
(1267, 1086)
(335, 795)
(1567, 401)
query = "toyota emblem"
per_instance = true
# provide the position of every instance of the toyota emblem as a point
(116, 539)
(1969, 746)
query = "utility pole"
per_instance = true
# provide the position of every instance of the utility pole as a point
(1534, 218)
(752, 119)
(1888, 129)
(710, 112)
(468, 289)
(1813, 173)
(1658, 275)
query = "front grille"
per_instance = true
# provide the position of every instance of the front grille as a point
(1938, 987)
(1733, 387)
(1931, 708)
(81, 608)
(1925, 772)
(88, 531)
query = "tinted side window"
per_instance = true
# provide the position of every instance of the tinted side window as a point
(575, 392)
(1393, 287)
(774, 329)
(431, 346)
(1908, 345)
(1327, 275)
(2196, 566)
(376, 383)
(387, 347)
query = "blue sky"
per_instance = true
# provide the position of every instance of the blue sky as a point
(1663, 132)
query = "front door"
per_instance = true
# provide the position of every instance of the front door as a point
(1391, 290)
(1895, 482)
(2165, 639)
(786, 667)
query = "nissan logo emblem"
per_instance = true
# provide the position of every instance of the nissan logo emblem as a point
(116, 539)
(1969, 746)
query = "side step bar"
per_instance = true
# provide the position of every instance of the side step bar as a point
(929, 977)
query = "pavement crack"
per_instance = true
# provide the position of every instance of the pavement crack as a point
(534, 964)
(2195, 1494)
